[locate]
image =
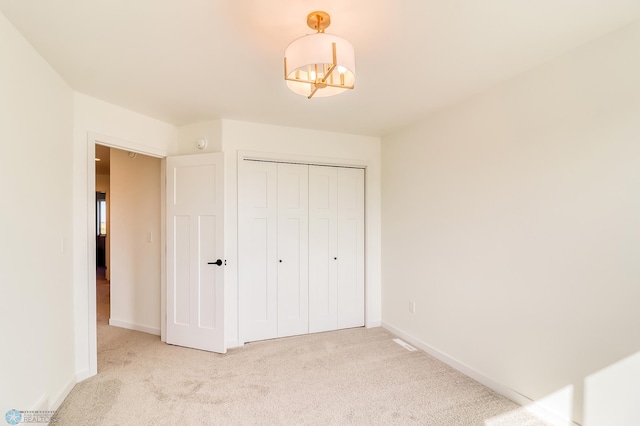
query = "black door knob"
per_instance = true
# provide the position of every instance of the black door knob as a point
(217, 262)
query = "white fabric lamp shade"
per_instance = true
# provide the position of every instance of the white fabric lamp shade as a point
(314, 52)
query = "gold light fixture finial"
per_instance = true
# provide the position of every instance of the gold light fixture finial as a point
(319, 64)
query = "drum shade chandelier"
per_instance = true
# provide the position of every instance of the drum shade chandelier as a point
(319, 64)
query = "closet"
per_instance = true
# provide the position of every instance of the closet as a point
(301, 248)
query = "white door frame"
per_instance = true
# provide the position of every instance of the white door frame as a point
(312, 160)
(92, 140)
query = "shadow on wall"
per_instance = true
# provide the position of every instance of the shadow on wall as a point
(611, 397)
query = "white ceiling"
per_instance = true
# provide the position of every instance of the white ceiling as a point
(185, 61)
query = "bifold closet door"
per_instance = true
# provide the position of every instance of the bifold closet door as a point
(273, 249)
(258, 250)
(336, 248)
(301, 249)
(323, 248)
(350, 248)
(293, 249)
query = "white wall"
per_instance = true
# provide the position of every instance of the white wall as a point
(293, 143)
(611, 395)
(36, 112)
(135, 238)
(96, 121)
(511, 220)
(190, 133)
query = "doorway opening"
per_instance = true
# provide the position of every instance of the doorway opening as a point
(102, 234)
(103, 293)
(127, 228)
(132, 151)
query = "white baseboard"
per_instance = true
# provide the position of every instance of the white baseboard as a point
(373, 324)
(135, 327)
(40, 408)
(500, 388)
(232, 344)
(42, 404)
(58, 399)
(83, 375)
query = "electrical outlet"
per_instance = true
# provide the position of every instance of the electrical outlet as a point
(412, 307)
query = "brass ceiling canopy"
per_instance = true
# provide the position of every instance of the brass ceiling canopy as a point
(318, 21)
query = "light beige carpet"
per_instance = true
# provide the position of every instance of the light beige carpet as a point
(357, 376)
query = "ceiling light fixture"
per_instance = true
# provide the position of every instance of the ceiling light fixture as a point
(319, 64)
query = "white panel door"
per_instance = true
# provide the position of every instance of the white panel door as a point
(323, 233)
(293, 249)
(195, 258)
(350, 247)
(257, 250)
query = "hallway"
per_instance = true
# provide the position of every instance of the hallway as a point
(103, 297)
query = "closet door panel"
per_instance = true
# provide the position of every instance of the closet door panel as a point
(257, 250)
(350, 248)
(293, 249)
(323, 230)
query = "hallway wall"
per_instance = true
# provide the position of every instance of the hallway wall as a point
(135, 238)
